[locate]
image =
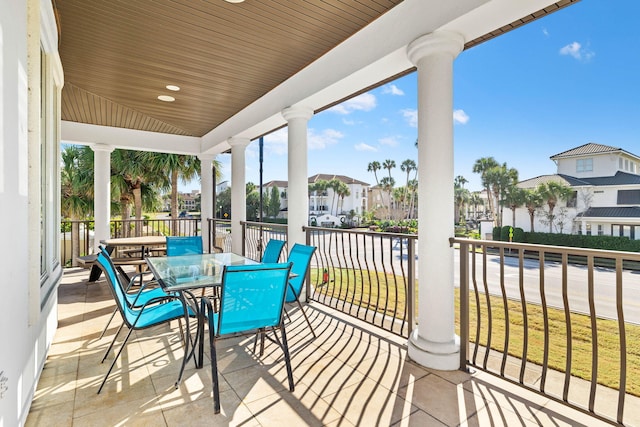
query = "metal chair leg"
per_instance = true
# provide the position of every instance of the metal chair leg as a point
(115, 310)
(305, 317)
(104, 380)
(113, 341)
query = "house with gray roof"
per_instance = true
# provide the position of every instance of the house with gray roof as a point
(606, 184)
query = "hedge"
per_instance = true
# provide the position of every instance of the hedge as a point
(608, 243)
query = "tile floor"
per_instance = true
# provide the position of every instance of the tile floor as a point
(350, 375)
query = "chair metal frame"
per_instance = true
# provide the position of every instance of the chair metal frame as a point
(150, 314)
(300, 256)
(261, 288)
(184, 245)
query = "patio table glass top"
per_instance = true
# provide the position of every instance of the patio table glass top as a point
(183, 272)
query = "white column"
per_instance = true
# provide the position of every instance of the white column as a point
(238, 191)
(101, 192)
(298, 209)
(206, 195)
(433, 342)
(584, 227)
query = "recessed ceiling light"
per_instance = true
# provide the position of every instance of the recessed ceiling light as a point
(234, 1)
(166, 98)
(173, 88)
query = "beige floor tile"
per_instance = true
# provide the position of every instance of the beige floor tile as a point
(134, 413)
(54, 390)
(392, 371)
(200, 413)
(369, 403)
(327, 376)
(60, 415)
(298, 408)
(419, 419)
(447, 402)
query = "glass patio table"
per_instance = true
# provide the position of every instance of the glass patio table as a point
(183, 274)
(189, 272)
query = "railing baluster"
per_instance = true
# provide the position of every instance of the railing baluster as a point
(464, 304)
(505, 306)
(476, 292)
(594, 335)
(623, 341)
(489, 311)
(525, 318)
(545, 317)
(567, 318)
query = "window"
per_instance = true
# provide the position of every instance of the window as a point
(626, 164)
(584, 165)
(628, 197)
(620, 163)
(572, 201)
(600, 230)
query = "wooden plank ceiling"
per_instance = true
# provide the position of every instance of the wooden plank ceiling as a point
(119, 55)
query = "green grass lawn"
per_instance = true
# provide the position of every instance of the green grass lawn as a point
(381, 292)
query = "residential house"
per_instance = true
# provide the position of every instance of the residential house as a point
(328, 203)
(606, 193)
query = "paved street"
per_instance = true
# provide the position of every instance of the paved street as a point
(604, 288)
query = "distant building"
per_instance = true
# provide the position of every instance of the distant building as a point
(606, 184)
(327, 203)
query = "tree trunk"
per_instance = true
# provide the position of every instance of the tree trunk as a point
(137, 201)
(124, 213)
(174, 203)
(75, 242)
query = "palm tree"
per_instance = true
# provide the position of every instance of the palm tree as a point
(513, 198)
(76, 185)
(174, 168)
(475, 200)
(407, 166)
(461, 195)
(388, 165)
(459, 181)
(343, 191)
(334, 184)
(500, 178)
(320, 187)
(413, 189)
(387, 183)
(532, 200)
(374, 167)
(482, 166)
(552, 192)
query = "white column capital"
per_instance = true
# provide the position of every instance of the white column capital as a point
(206, 157)
(447, 42)
(297, 112)
(238, 142)
(102, 147)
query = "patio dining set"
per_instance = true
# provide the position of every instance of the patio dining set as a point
(223, 293)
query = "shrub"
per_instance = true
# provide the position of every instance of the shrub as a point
(496, 233)
(611, 243)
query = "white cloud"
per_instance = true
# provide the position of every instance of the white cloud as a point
(411, 117)
(577, 51)
(325, 138)
(459, 116)
(392, 90)
(364, 102)
(348, 122)
(545, 31)
(391, 141)
(364, 147)
(276, 142)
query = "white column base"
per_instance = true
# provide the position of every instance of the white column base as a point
(434, 355)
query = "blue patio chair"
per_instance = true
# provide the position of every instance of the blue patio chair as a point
(252, 300)
(152, 313)
(272, 251)
(135, 299)
(300, 256)
(184, 245)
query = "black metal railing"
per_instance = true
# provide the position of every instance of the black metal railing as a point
(555, 320)
(365, 274)
(80, 233)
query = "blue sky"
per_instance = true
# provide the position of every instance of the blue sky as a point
(570, 78)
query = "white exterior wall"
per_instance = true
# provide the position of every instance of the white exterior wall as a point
(603, 165)
(27, 308)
